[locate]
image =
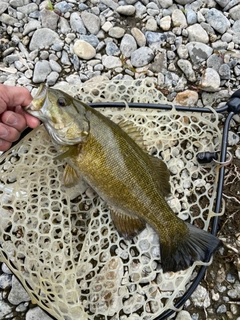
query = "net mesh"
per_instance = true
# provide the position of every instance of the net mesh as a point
(61, 242)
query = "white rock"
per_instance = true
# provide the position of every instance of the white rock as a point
(210, 80)
(186, 67)
(139, 37)
(91, 22)
(116, 32)
(183, 315)
(200, 297)
(179, 19)
(127, 10)
(165, 23)
(111, 62)
(84, 50)
(107, 26)
(151, 24)
(197, 33)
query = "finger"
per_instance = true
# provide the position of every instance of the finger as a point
(9, 134)
(15, 120)
(31, 121)
(14, 96)
(4, 145)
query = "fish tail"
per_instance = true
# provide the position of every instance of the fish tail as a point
(196, 245)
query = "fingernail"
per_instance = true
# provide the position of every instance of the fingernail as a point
(11, 119)
(3, 132)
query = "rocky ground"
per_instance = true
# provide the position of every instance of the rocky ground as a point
(192, 50)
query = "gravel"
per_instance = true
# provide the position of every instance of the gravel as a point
(190, 47)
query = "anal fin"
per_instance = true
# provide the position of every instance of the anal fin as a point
(127, 225)
(70, 176)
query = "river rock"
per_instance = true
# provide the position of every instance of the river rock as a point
(210, 80)
(142, 57)
(41, 71)
(198, 51)
(217, 20)
(84, 50)
(43, 38)
(91, 22)
(127, 10)
(138, 36)
(76, 23)
(128, 45)
(197, 33)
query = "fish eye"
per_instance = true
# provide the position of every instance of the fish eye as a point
(62, 102)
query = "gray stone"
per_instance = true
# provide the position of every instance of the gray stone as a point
(49, 19)
(182, 51)
(235, 13)
(183, 315)
(41, 71)
(221, 309)
(210, 80)
(91, 22)
(214, 61)
(110, 3)
(64, 25)
(142, 57)
(64, 59)
(92, 39)
(52, 78)
(5, 309)
(128, 45)
(55, 66)
(187, 69)
(191, 16)
(28, 8)
(63, 6)
(154, 37)
(3, 6)
(236, 26)
(7, 19)
(165, 3)
(198, 52)
(18, 3)
(5, 281)
(183, 2)
(222, 3)
(30, 26)
(116, 32)
(217, 20)
(37, 313)
(197, 33)
(160, 62)
(151, 24)
(76, 23)
(112, 49)
(127, 10)
(17, 294)
(224, 71)
(140, 10)
(231, 4)
(43, 38)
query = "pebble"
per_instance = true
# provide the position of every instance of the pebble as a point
(197, 33)
(111, 62)
(43, 38)
(91, 22)
(210, 80)
(187, 98)
(198, 52)
(179, 19)
(128, 45)
(187, 69)
(127, 10)
(165, 23)
(116, 32)
(217, 20)
(76, 23)
(138, 36)
(17, 294)
(41, 71)
(141, 57)
(84, 50)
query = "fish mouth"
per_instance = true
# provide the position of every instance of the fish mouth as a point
(34, 108)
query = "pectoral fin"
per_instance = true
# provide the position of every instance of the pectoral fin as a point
(161, 175)
(127, 225)
(70, 176)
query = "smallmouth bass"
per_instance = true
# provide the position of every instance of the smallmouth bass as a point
(133, 184)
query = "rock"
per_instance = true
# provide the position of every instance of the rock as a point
(186, 98)
(52, 78)
(111, 62)
(140, 10)
(49, 19)
(84, 50)
(165, 23)
(225, 71)
(91, 22)
(151, 24)
(182, 51)
(210, 80)
(191, 16)
(28, 8)
(92, 39)
(138, 36)
(198, 51)
(41, 71)
(187, 69)
(116, 32)
(43, 38)
(55, 66)
(233, 138)
(200, 297)
(65, 59)
(236, 26)
(110, 3)
(217, 20)
(3, 7)
(6, 309)
(165, 3)
(127, 10)
(128, 45)
(214, 61)
(154, 37)
(76, 23)
(222, 3)
(30, 26)
(37, 313)
(142, 57)
(235, 13)
(107, 26)
(64, 26)
(183, 315)
(112, 49)
(63, 6)
(197, 33)
(17, 294)
(160, 62)
(7, 19)
(179, 19)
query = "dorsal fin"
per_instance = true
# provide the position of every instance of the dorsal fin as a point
(133, 132)
(161, 175)
(127, 225)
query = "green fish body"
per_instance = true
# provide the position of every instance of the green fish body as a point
(133, 183)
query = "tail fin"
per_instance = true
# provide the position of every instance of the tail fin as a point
(197, 245)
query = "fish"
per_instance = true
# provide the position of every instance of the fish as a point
(111, 159)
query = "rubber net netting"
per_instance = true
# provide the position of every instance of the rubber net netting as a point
(61, 242)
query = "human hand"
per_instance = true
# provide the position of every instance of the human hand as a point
(13, 119)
